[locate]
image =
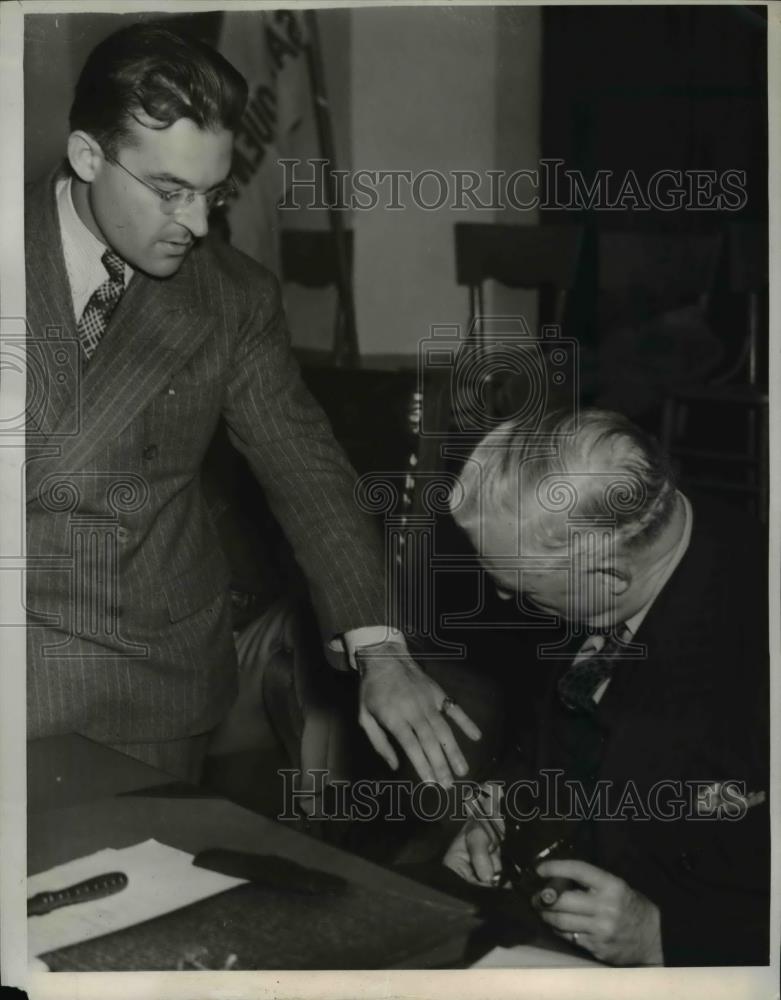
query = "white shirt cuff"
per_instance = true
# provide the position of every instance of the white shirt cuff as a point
(368, 635)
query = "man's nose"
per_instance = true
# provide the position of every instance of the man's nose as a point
(195, 216)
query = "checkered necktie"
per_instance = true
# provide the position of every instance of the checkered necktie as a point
(102, 303)
(577, 684)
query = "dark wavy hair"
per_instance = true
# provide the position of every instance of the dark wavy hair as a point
(147, 69)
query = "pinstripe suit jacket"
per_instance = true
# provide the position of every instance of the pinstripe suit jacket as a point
(129, 629)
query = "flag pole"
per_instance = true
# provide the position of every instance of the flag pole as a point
(345, 349)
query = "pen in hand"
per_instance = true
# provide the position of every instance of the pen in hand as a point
(492, 825)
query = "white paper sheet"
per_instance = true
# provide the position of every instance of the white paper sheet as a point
(529, 956)
(160, 879)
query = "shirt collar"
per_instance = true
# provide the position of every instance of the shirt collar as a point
(82, 250)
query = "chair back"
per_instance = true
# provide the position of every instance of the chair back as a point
(308, 256)
(531, 257)
(748, 257)
(675, 265)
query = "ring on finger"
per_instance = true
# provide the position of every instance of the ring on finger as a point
(573, 937)
(446, 705)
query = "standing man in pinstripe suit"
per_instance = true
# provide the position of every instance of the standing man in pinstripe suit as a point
(142, 332)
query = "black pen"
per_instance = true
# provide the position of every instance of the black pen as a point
(82, 892)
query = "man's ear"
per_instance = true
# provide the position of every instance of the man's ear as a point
(85, 156)
(612, 580)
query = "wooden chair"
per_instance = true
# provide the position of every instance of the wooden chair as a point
(739, 391)
(674, 265)
(308, 257)
(653, 289)
(541, 258)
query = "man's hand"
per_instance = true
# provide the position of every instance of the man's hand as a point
(475, 854)
(606, 917)
(397, 697)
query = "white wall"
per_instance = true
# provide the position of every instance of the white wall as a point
(411, 88)
(434, 88)
(57, 46)
(423, 86)
(311, 312)
(517, 115)
(49, 76)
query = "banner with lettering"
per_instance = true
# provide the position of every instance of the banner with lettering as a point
(268, 48)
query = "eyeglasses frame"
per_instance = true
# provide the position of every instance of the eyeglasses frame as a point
(221, 194)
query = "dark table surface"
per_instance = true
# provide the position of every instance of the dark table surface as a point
(83, 797)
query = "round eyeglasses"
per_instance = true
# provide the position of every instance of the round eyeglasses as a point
(181, 199)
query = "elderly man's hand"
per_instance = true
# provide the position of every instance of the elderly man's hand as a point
(476, 854)
(606, 917)
(398, 698)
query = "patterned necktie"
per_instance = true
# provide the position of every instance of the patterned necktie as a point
(577, 684)
(102, 304)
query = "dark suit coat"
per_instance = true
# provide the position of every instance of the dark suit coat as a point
(130, 632)
(694, 709)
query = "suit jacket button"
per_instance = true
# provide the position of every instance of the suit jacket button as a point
(686, 861)
(150, 452)
(122, 534)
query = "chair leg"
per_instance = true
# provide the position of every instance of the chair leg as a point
(682, 420)
(752, 446)
(763, 466)
(668, 424)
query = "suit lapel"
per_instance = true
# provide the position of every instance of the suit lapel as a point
(673, 632)
(53, 349)
(152, 334)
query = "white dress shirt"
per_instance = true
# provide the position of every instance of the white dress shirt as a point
(82, 251)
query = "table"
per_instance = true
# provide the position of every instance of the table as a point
(84, 797)
(67, 770)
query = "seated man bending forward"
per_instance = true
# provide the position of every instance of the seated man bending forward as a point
(644, 730)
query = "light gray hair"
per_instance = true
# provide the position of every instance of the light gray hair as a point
(595, 466)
